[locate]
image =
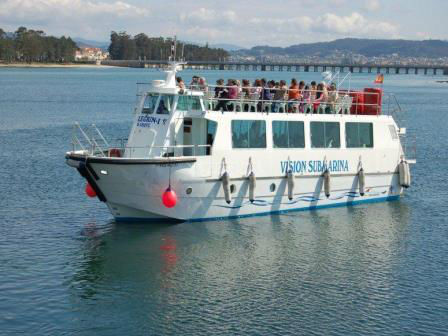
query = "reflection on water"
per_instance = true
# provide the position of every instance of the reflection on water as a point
(230, 271)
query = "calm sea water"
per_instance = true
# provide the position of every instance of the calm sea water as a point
(66, 268)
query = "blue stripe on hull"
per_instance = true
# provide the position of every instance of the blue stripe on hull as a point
(314, 207)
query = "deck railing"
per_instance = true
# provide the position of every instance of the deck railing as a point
(250, 99)
(90, 141)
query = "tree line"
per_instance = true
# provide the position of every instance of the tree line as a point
(27, 45)
(140, 47)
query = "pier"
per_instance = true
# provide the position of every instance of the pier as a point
(291, 67)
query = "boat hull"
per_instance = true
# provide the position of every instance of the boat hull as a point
(133, 192)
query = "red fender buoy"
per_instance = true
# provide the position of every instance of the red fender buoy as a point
(169, 198)
(90, 191)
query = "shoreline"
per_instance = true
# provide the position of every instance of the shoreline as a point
(53, 65)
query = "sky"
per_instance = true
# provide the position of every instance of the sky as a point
(245, 23)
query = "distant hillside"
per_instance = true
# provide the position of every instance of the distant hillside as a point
(366, 47)
(226, 46)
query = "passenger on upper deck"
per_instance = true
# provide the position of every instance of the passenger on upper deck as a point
(203, 84)
(233, 89)
(306, 100)
(180, 83)
(265, 94)
(293, 93)
(222, 94)
(245, 88)
(313, 91)
(255, 91)
(301, 87)
(279, 95)
(194, 82)
(321, 95)
(332, 96)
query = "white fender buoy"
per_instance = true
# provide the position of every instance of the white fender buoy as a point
(225, 186)
(327, 183)
(290, 177)
(361, 181)
(252, 184)
(404, 174)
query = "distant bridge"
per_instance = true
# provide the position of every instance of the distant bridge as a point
(294, 67)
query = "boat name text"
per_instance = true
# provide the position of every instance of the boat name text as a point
(147, 121)
(314, 166)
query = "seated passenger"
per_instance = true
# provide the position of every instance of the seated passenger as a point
(293, 92)
(194, 84)
(321, 96)
(255, 91)
(332, 97)
(232, 92)
(293, 95)
(232, 89)
(180, 84)
(279, 95)
(306, 99)
(301, 88)
(266, 95)
(203, 84)
(245, 88)
(238, 84)
(221, 93)
(313, 91)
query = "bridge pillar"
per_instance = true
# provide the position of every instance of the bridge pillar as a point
(369, 69)
(416, 71)
(324, 68)
(435, 71)
(263, 67)
(397, 70)
(426, 71)
(407, 71)
(221, 67)
(445, 71)
(387, 70)
(307, 68)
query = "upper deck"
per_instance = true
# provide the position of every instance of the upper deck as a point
(174, 119)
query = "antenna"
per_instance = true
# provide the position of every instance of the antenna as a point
(173, 49)
(183, 47)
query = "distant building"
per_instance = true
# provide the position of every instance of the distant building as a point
(91, 54)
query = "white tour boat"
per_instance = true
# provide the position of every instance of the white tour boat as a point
(184, 161)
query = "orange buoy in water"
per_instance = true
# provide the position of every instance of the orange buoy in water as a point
(169, 198)
(90, 191)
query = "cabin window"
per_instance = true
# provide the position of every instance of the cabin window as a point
(359, 135)
(187, 103)
(325, 135)
(165, 104)
(211, 132)
(249, 134)
(288, 134)
(150, 103)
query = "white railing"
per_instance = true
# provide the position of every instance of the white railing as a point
(250, 99)
(92, 143)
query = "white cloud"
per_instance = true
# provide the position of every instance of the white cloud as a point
(352, 25)
(238, 22)
(372, 5)
(204, 15)
(51, 10)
